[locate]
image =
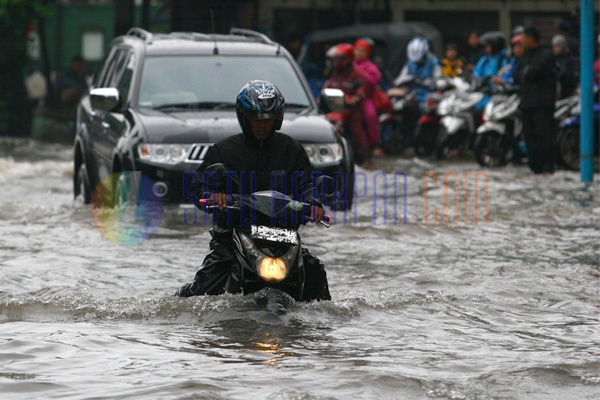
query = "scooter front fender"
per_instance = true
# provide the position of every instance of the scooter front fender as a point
(571, 121)
(492, 126)
(452, 124)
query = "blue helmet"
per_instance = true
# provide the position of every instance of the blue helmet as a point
(259, 100)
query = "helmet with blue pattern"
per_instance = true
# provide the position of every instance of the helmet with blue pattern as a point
(259, 100)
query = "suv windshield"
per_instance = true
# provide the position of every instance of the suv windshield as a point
(189, 81)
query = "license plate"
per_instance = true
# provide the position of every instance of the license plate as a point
(271, 234)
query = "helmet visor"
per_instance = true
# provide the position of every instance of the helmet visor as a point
(251, 115)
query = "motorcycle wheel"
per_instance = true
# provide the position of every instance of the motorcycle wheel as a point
(425, 137)
(391, 137)
(442, 147)
(568, 148)
(491, 149)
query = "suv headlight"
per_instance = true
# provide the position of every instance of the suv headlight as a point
(163, 153)
(323, 153)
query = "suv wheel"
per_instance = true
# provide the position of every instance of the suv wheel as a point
(125, 189)
(81, 184)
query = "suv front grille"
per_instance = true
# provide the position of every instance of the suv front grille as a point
(198, 152)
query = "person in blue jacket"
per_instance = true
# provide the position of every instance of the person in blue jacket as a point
(492, 62)
(506, 76)
(422, 66)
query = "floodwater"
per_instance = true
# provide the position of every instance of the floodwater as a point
(434, 295)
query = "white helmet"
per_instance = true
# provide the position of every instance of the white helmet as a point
(417, 49)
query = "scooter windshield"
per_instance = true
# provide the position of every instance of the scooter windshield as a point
(268, 202)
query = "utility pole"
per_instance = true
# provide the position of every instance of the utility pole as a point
(145, 23)
(123, 16)
(586, 134)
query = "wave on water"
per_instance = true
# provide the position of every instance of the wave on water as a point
(80, 305)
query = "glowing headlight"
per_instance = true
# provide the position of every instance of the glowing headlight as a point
(322, 154)
(272, 269)
(163, 153)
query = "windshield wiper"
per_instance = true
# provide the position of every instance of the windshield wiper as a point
(200, 105)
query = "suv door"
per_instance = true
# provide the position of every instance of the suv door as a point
(112, 125)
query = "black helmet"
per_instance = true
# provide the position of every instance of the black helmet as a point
(495, 39)
(259, 100)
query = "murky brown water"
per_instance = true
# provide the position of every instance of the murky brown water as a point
(502, 303)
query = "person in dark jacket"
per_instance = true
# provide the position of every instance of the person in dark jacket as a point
(261, 159)
(474, 52)
(568, 68)
(536, 75)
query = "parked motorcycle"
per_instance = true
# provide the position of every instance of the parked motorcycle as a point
(457, 119)
(568, 147)
(500, 137)
(426, 130)
(268, 247)
(397, 127)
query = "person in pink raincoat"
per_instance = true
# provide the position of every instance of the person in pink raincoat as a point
(370, 71)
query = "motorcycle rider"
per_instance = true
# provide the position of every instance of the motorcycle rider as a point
(348, 78)
(506, 78)
(422, 65)
(372, 75)
(261, 158)
(492, 62)
(568, 68)
(452, 64)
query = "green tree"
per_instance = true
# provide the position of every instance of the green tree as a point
(15, 16)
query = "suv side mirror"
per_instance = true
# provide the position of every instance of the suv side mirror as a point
(332, 100)
(104, 99)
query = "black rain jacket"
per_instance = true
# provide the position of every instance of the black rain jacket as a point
(277, 163)
(535, 73)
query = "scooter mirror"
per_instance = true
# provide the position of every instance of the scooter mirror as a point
(325, 186)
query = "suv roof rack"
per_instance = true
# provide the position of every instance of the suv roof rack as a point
(250, 33)
(141, 33)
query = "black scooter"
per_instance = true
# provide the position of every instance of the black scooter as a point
(268, 247)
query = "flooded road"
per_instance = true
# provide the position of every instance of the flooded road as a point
(442, 288)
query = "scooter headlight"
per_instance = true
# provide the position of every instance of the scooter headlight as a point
(271, 269)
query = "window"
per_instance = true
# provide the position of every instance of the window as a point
(92, 44)
(188, 79)
(125, 80)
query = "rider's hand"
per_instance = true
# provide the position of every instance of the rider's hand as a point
(497, 80)
(316, 214)
(219, 199)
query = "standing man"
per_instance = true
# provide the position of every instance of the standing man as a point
(71, 84)
(536, 75)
